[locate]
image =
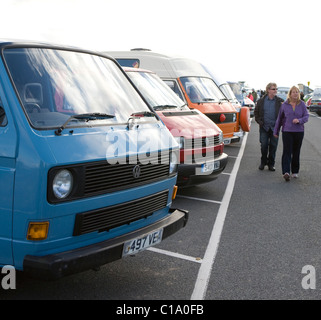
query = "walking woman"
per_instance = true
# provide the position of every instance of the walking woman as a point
(292, 117)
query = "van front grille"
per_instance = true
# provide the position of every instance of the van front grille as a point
(104, 177)
(215, 117)
(111, 217)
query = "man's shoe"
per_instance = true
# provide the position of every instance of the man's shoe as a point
(271, 168)
(286, 177)
(261, 167)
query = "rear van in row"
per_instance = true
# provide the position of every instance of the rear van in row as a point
(201, 157)
(189, 80)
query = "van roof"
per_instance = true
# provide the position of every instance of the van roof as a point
(39, 44)
(162, 64)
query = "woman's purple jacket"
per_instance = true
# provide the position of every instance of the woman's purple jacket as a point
(286, 116)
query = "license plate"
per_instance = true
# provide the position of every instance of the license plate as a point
(210, 166)
(227, 141)
(139, 244)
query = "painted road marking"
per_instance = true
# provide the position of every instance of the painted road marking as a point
(175, 255)
(205, 270)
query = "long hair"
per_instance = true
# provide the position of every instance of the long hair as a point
(290, 91)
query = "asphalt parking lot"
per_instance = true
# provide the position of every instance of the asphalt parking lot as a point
(249, 236)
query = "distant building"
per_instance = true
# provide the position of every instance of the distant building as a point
(305, 89)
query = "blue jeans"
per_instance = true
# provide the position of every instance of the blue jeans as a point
(292, 142)
(269, 145)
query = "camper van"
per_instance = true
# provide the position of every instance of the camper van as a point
(201, 141)
(241, 94)
(87, 169)
(188, 79)
(244, 112)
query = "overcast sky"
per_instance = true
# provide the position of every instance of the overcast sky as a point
(256, 41)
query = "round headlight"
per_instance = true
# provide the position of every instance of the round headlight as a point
(173, 162)
(62, 184)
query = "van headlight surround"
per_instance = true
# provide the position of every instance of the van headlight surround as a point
(221, 137)
(62, 184)
(173, 162)
(180, 141)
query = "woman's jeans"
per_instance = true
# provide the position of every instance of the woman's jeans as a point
(269, 145)
(292, 142)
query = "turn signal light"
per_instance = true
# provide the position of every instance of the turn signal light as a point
(174, 192)
(38, 231)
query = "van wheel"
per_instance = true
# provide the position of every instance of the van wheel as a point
(245, 119)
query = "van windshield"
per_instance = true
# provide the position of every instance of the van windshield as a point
(155, 91)
(54, 85)
(202, 90)
(226, 89)
(237, 90)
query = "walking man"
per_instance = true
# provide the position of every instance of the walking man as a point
(266, 112)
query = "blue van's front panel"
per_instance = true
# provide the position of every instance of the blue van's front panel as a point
(74, 112)
(44, 151)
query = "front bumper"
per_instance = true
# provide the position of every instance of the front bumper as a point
(187, 176)
(315, 108)
(55, 266)
(234, 139)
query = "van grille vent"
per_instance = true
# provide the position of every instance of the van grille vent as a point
(111, 217)
(103, 177)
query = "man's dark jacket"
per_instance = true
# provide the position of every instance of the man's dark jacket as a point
(259, 109)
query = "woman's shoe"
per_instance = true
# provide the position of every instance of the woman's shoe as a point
(286, 177)
(294, 175)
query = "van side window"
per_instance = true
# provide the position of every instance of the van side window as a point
(132, 63)
(3, 118)
(173, 85)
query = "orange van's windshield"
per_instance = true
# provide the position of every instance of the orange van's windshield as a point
(202, 90)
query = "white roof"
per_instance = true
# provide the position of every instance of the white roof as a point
(164, 65)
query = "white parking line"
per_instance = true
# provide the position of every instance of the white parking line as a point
(204, 273)
(314, 115)
(199, 199)
(176, 255)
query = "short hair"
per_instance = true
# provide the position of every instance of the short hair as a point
(269, 85)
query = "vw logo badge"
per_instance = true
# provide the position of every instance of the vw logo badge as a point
(136, 171)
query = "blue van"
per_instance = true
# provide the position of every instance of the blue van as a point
(87, 169)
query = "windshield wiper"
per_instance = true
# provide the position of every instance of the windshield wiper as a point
(138, 115)
(165, 106)
(208, 99)
(86, 117)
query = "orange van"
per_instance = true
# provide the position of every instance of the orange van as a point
(190, 81)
